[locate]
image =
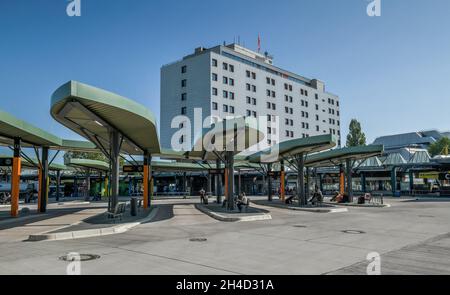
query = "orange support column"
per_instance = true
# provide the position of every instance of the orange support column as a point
(15, 181)
(147, 180)
(341, 180)
(282, 184)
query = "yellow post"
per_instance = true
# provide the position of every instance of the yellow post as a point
(15, 187)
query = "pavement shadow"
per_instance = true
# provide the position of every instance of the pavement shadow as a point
(423, 200)
(7, 222)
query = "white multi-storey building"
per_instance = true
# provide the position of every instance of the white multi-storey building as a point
(232, 80)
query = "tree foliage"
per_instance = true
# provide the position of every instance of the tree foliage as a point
(355, 136)
(439, 147)
(84, 155)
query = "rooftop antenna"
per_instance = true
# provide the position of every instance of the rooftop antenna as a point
(259, 43)
(239, 40)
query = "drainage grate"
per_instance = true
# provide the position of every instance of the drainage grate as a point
(198, 239)
(81, 257)
(353, 231)
(300, 225)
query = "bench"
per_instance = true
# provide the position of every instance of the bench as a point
(118, 211)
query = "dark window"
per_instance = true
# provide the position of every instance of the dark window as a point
(183, 96)
(183, 83)
(183, 110)
(183, 69)
(214, 106)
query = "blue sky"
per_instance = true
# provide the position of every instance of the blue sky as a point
(391, 72)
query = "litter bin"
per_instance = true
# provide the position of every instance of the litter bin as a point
(133, 206)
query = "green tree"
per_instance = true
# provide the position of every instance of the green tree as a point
(355, 135)
(439, 147)
(84, 155)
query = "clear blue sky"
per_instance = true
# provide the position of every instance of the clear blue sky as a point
(391, 72)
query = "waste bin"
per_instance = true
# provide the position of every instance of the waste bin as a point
(133, 206)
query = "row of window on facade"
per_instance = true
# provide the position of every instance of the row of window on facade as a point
(225, 108)
(249, 87)
(225, 93)
(225, 66)
(225, 80)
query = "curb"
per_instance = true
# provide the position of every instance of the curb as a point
(73, 203)
(221, 217)
(311, 210)
(88, 233)
(359, 205)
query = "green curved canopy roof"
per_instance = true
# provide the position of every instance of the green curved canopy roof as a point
(93, 113)
(337, 156)
(11, 127)
(293, 147)
(35, 164)
(87, 164)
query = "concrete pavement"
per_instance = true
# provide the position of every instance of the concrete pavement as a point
(293, 242)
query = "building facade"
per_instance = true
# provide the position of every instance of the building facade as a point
(228, 81)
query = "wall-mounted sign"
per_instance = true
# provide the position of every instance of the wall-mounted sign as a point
(274, 173)
(6, 162)
(133, 168)
(215, 171)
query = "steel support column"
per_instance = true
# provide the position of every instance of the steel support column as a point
(239, 181)
(282, 183)
(411, 181)
(58, 184)
(115, 150)
(301, 179)
(88, 184)
(43, 185)
(15, 179)
(230, 179)
(348, 165)
(269, 182)
(363, 182)
(307, 184)
(218, 178)
(394, 181)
